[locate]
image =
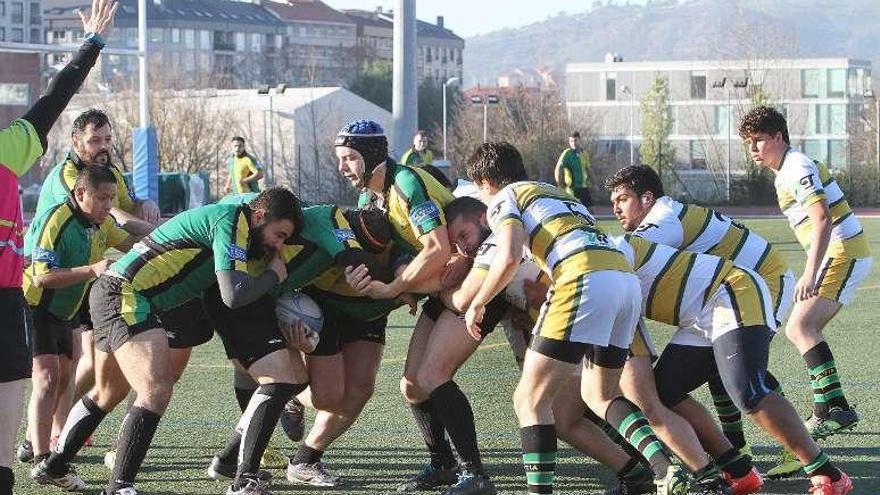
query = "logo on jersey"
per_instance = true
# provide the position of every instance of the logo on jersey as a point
(236, 253)
(495, 211)
(485, 248)
(44, 256)
(807, 181)
(647, 226)
(343, 235)
(424, 212)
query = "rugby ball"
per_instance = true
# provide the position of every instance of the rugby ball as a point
(299, 306)
(514, 293)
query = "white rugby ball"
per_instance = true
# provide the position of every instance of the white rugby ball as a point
(514, 293)
(299, 306)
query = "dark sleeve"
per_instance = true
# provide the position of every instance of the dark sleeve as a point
(356, 257)
(238, 289)
(46, 110)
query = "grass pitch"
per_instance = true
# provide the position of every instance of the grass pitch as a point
(383, 447)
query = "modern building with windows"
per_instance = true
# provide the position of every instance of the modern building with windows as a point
(826, 102)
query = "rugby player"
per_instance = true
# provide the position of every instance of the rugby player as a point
(21, 144)
(641, 206)
(175, 264)
(838, 258)
(567, 244)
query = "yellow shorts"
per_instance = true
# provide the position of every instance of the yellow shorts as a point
(839, 278)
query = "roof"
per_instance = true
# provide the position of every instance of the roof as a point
(385, 20)
(308, 10)
(367, 18)
(671, 65)
(203, 11)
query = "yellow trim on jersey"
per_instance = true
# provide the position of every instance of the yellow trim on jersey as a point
(747, 302)
(242, 230)
(154, 273)
(694, 221)
(341, 222)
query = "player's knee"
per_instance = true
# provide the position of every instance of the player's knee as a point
(525, 403)
(155, 396)
(411, 391)
(328, 399)
(746, 398)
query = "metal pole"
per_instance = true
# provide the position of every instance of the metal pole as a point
(271, 178)
(142, 63)
(404, 101)
(485, 121)
(728, 146)
(877, 131)
(632, 106)
(444, 121)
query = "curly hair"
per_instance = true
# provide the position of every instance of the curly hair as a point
(639, 178)
(763, 119)
(97, 118)
(279, 203)
(498, 163)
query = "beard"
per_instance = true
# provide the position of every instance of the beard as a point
(472, 251)
(256, 249)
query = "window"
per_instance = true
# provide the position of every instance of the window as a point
(205, 40)
(610, 86)
(17, 13)
(14, 94)
(175, 35)
(721, 120)
(189, 38)
(2, 34)
(16, 35)
(837, 119)
(810, 83)
(697, 155)
(155, 35)
(36, 16)
(240, 42)
(256, 42)
(698, 85)
(837, 153)
(57, 36)
(36, 36)
(836, 83)
(2, 9)
(816, 149)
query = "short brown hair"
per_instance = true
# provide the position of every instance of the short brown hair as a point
(763, 119)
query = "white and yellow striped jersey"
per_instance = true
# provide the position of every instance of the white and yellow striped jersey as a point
(675, 284)
(563, 237)
(801, 182)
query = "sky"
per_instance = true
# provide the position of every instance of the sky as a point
(471, 17)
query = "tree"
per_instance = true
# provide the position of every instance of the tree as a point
(656, 150)
(373, 83)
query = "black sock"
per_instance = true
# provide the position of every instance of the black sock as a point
(7, 480)
(258, 422)
(229, 454)
(628, 419)
(82, 420)
(827, 390)
(634, 470)
(615, 437)
(307, 455)
(821, 466)
(539, 457)
(729, 415)
(454, 411)
(135, 436)
(243, 396)
(433, 435)
(734, 463)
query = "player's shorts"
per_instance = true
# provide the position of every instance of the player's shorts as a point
(583, 195)
(599, 308)
(15, 336)
(741, 300)
(496, 310)
(839, 278)
(340, 329)
(118, 313)
(84, 318)
(248, 333)
(781, 287)
(52, 335)
(642, 345)
(186, 325)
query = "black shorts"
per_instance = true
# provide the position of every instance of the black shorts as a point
(249, 332)
(52, 335)
(496, 311)
(105, 308)
(340, 329)
(15, 336)
(186, 325)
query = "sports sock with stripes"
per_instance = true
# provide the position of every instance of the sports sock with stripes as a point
(539, 457)
(822, 466)
(729, 415)
(734, 463)
(632, 424)
(433, 434)
(827, 391)
(615, 436)
(135, 436)
(455, 413)
(258, 422)
(82, 420)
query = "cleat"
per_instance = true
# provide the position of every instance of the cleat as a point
(110, 459)
(676, 482)
(750, 483)
(25, 452)
(220, 471)
(788, 466)
(273, 458)
(312, 474)
(68, 481)
(710, 486)
(293, 420)
(640, 486)
(127, 490)
(822, 485)
(838, 420)
(472, 484)
(429, 478)
(251, 485)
